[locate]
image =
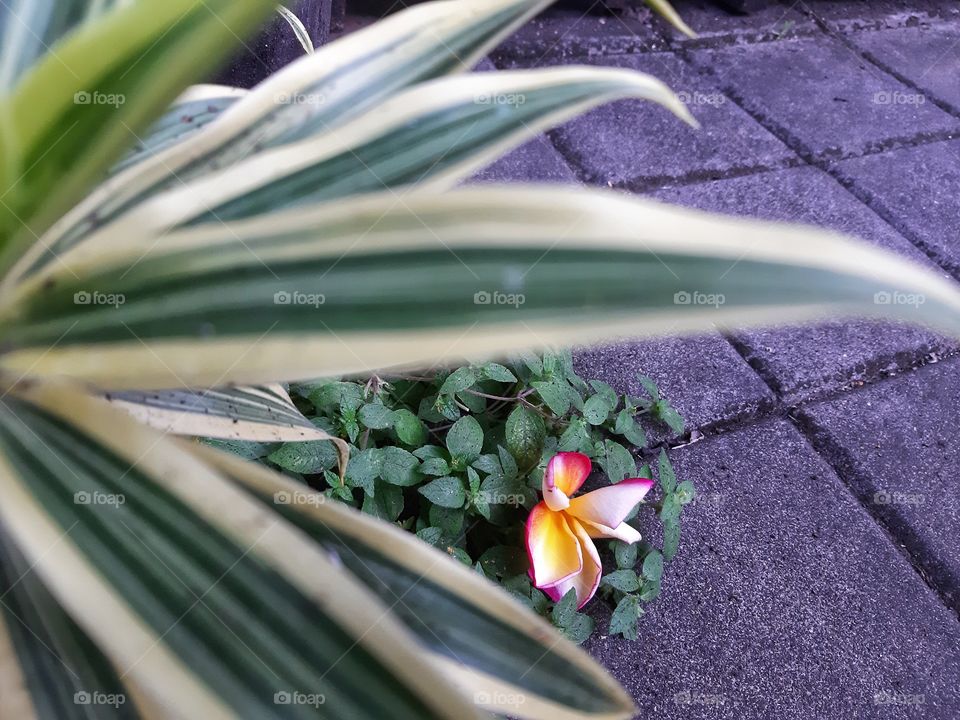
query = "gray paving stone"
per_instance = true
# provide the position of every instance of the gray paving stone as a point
(897, 443)
(786, 601)
(702, 377)
(855, 15)
(825, 95)
(802, 362)
(565, 34)
(927, 56)
(633, 141)
(919, 188)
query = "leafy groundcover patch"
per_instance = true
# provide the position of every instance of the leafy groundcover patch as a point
(458, 457)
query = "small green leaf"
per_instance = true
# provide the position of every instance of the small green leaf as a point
(668, 478)
(650, 590)
(507, 464)
(532, 361)
(435, 467)
(664, 412)
(576, 438)
(686, 492)
(618, 462)
(625, 554)
(458, 381)
(627, 426)
(450, 520)
(670, 510)
(624, 618)
(579, 629)
(499, 373)
(365, 467)
(430, 451)
(473, 480)
(671, 541)
(622, 580)
(446, 492)
(309, 458)
(596, 410)
(650, 386)
(386, 504)
(605, 392)
(554, 394)
(431, 535)
(525, 434)
(653, 566)
(460, 554)
(400, 467)
(375, 416)
(565, 609)
(409, 428)
(465, 439)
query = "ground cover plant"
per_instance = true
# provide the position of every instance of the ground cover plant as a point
(458, 457)
(165, 247)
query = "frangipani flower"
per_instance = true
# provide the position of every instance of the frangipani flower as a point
(560, 529)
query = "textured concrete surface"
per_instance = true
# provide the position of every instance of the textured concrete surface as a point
(897, 444)
(918, 189)
(928, 57)
(786, 600)
(825, 95)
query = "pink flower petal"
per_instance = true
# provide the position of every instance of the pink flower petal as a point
(608, 506)
(553, 549)
(566, 471)
(587, 580)
(622, 532)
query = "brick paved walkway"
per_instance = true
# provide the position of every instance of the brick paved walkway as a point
(819, 572)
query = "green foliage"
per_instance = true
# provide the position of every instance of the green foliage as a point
(457, 457)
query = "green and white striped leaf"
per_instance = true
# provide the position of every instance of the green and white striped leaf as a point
(301, 33)
(260, 413)
(61, 673)
(667, 11)
(497, 651)
(207, 601)
(373, 282)
(191, 112)
(31, 26)
(311, 96)
(430, 136)
(74, 113)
